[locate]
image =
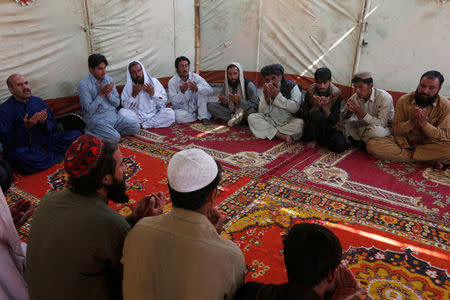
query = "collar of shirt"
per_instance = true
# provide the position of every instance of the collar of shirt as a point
(191, 216)
(180, 81)
(372, 95)
(95, 81)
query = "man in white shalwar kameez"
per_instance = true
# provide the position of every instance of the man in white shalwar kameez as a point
(144, 99)
(12, 251)
(189, 94)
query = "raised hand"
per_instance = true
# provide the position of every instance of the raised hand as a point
(184, 87)
(105, 90)
(223, 100)
(193, 86)
(137, 88)
(149, 89)
(216, 218)
(150, 205)
(21, 211)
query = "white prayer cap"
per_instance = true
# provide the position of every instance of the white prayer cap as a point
(190, 170)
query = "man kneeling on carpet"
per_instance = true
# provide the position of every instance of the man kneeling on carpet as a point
(312, 255)
(180, 255)
(76, 239)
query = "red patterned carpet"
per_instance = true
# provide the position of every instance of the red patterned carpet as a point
(392, 219)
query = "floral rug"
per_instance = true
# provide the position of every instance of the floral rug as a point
(392, 219)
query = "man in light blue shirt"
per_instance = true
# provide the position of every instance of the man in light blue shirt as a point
(99, 99)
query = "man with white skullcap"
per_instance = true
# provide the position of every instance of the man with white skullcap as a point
(180, 255)
(144, 99)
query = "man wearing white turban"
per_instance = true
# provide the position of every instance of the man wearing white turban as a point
(144, 99)
(238, 97)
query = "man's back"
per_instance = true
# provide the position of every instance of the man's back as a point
(74, 248)
(179, 255)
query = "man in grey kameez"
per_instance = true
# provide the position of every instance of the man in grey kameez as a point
(189, 93)
(238, 98)
(99, 99)
(281, 99)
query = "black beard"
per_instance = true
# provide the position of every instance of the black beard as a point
(424, 101)
(233, 84)
(322, 94)
(117, 191)
(139, 81)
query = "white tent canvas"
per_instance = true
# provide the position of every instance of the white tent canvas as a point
(49, 41)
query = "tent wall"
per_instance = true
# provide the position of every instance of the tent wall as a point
(301, 35)
(405, 39)
(45, 42)
(50, 41)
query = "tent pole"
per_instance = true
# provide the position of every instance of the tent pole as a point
(197, 36)
(88, 27)
(362, 30)
(259, 35)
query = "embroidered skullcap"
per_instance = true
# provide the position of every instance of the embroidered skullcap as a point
(190, 170)
(276, 69)
(83, 155)
(362, 75)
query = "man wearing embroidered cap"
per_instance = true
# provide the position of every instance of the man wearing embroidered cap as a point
(144, 99)
(76, 239)
(180, 255)
(368, 113)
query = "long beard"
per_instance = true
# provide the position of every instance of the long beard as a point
(234, 84)
(424, 100)
(117, 191)
(139, 80)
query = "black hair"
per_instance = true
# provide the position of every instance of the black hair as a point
(181, 58)
(311, 251)
(275, 69)
(433, 74)
(196, 199)
(322, 75)
(232, 66)
(359, 79)
(132, 64)
(95, 59)
(91, 182)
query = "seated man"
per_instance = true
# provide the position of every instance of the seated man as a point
(321, 112)
(281, 99)
(238, 97)
(367, 113)
(28, 130)
(12, 250)
(180, 255)
(312, 255)
(144, 99)
(99, 99)
(76, 239)
(421, 126)
(189, 94)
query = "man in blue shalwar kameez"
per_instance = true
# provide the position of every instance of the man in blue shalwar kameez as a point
(28, 130)
(99, 99)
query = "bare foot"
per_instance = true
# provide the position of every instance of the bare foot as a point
(436, 164)
(284, 137)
